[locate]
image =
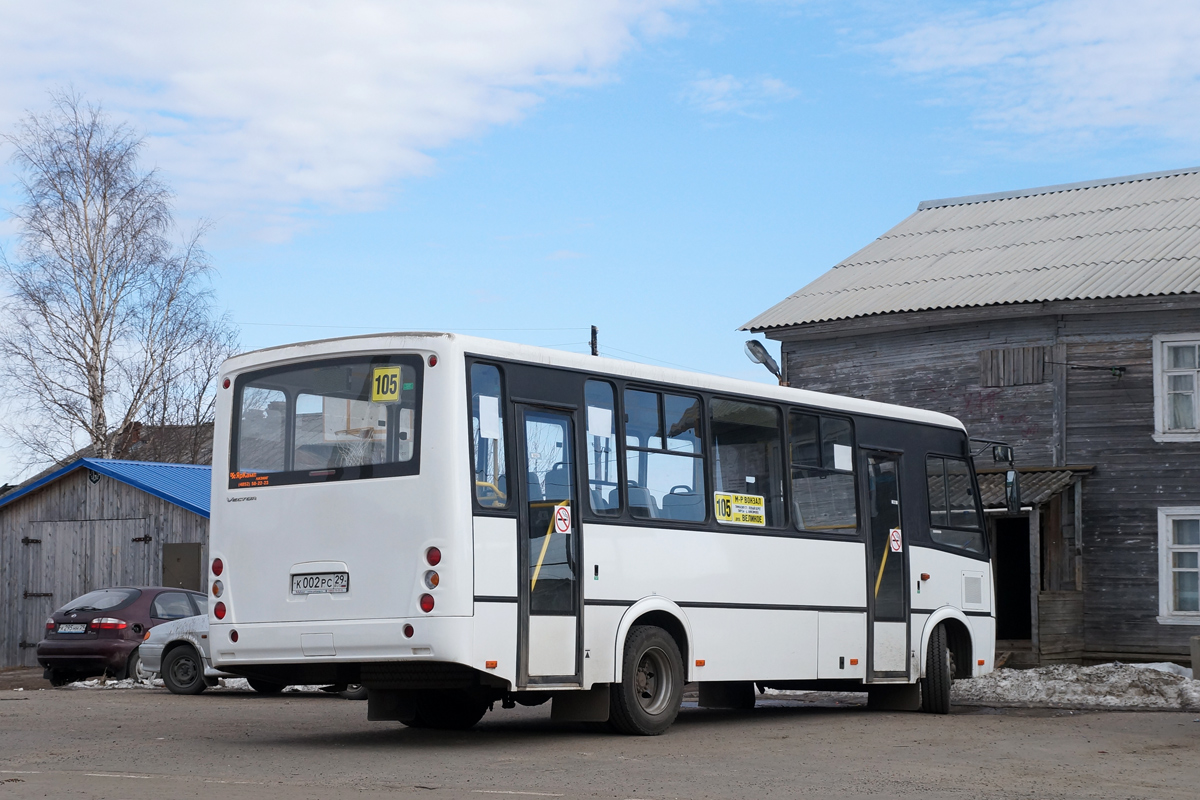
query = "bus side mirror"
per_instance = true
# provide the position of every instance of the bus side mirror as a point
(1012, 491)
(1002, 453)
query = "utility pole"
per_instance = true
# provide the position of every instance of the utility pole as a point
(595, 341)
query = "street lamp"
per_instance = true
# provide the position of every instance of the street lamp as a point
(759, 355)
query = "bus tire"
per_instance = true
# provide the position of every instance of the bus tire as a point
(265, 687)
(935, 686)
(447, 710)
(647, 699)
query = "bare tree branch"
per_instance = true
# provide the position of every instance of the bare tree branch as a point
(108, 323)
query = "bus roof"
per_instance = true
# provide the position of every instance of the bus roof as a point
(421, 340)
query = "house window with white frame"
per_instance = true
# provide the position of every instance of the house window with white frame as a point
(1176, 387)
(1179, 565)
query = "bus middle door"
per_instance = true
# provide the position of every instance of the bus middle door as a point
(887, 570)
(549, 624)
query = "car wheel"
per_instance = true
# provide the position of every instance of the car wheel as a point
(265, 687)
(354, 691)
(133, 664)
(183, 671)
(935, 686)
(60, 677)
(647, 699)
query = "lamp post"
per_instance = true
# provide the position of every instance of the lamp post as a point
(759, 355)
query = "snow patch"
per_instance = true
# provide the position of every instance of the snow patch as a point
(1144, 686)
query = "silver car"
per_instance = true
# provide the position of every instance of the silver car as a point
(178, 652)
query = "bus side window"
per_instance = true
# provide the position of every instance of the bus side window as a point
(487, 435)
(952, 504)
(823, 495)
(747, 456)
(604, 492)
(664, 463)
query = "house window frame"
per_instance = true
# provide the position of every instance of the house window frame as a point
(1166, 516)
(1161, 433)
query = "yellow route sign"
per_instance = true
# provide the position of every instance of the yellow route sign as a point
(740, 509)
(385, 384)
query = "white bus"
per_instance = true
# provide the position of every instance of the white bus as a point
(452, 521)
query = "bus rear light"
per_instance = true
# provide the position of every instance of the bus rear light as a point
(433, 361)
(225, 383)
(218, 588)
(431, 579)
(433, 556)
(408, 631)
(218, 566)
(219, 611)
(108, 624)
(233, 637)
(854, 662)
(427, 603)
(490, 664)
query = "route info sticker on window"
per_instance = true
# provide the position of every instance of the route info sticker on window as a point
(740, 509)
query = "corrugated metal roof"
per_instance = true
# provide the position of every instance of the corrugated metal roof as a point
(1037, 485)
(1121, 237)
(186, 485)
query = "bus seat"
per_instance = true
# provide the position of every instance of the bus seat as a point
(535, 488)
(683, 505)
(641, 503)
(558, 482)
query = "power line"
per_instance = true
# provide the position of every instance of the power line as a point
(377, 328)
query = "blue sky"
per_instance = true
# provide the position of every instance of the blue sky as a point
(663, 170)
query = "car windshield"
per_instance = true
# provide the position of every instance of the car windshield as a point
(102, 600)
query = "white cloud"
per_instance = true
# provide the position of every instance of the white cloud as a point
(1068, 66)
(725, 94)
(275, 108)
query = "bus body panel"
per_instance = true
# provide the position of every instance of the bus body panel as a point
(495, 557)
(842, 645)
(738, 567)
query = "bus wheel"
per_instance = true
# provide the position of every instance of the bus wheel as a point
(646, 701)
(447, 710)
(935, 686)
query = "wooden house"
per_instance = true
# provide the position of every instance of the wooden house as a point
(96, 523)
(1064, 320)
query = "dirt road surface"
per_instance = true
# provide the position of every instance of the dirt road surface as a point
(151, 744)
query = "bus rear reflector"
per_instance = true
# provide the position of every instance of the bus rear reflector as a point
(408, 631)
(233, 637)
(427, 603)
(219, 611)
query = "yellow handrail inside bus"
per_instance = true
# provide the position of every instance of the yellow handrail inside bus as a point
(493, 487)
(542, 556)
(882, 564)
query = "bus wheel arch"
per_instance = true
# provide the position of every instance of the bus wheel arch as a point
(660, 613)
(959, 640)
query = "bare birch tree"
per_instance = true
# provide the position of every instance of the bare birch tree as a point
(107, 320)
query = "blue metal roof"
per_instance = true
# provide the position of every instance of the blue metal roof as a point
(186, 485)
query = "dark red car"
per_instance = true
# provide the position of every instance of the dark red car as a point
(99, 633)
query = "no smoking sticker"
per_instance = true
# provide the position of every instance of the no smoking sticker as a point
(894, 541)
(562, 519)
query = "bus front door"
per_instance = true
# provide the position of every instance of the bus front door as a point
(549, 548)
(887, 571)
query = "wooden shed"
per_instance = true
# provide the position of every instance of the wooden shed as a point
(96, 523)
(1064, 320)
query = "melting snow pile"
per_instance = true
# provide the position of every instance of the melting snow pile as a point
(1149, 686)
(228, 684)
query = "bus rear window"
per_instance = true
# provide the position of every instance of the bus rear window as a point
(328, 420)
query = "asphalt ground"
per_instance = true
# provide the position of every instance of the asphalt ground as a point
(139, 743)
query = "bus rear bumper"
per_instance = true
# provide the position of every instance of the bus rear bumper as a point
(445, 639)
